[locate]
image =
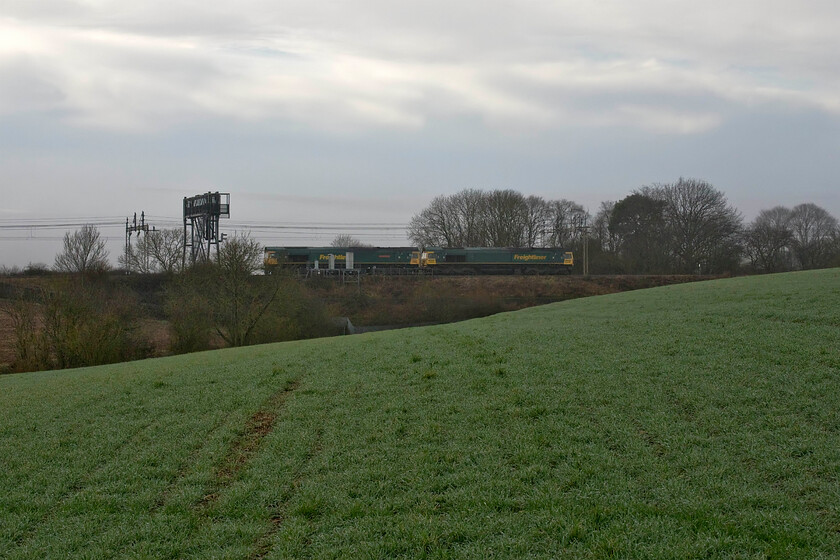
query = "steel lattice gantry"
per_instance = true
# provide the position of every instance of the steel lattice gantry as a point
(201, 224)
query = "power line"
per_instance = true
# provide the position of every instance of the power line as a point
(260, 226)
(286, 222)
(60, 225)
(267, 231)
(49, 238)
(53, 219)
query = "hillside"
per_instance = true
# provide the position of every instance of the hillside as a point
(698, 420)
(377, 301)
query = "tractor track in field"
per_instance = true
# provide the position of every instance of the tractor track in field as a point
(186, 465)
(242, 450)
(257, 427)
(279, 513)
(244, 447)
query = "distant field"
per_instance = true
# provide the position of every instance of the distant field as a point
(699, 420)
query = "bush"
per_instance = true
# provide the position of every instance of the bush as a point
(91, 322)
(75, 322)
(230, 304)
(189, 311)
(29, 348)
(294, 314)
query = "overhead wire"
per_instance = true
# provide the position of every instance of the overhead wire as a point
(262, 228)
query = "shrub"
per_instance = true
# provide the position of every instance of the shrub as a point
(29, 350)
(189, 311)
(90, 322)
(76, 321)
(293, 315)
(240, 308)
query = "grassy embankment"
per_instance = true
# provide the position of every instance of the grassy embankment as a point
(372, 301)
(406, 300)
(700, 420)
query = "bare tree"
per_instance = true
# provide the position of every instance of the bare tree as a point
(84, 251)
(435, 225)
(603, 254)
(167, 249)
(240, 255)
(221, 296)
(536, 219)
(227, 297)
(468, 209)
(601, 227)
(768, 238)
(457, 220)
(702, 227)
(499, 218)
(155, 251)
(834, 260)
(813, 230)
(138, 257)
(505, 216)
(347, 240)
(241, 299)
(560, 228)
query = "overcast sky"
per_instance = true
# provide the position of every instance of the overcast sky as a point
(362, 112)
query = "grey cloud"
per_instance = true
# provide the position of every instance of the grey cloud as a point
(575, 99)
(25, 87)
(341, 66)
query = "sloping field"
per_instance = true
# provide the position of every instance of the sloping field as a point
(700, 420)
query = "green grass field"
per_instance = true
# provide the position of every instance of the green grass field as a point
(699, 420)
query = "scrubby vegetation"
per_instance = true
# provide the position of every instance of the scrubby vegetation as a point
(67, 321)
(74, 321)
(210, 307)
(399, 301)
(699, 420)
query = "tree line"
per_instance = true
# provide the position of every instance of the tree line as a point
(684, 227)
(83, 252)
(82, 315)
(499, 218)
